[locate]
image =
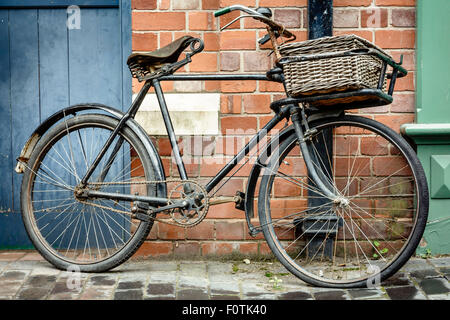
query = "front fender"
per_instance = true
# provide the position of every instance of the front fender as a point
(73, 110)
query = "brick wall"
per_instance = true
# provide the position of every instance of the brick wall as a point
(244, 109)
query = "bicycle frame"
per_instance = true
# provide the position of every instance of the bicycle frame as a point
(290, 110)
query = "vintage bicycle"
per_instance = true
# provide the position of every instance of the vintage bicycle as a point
(341, 199)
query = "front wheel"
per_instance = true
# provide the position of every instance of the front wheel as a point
(94, 235)
(375, 225)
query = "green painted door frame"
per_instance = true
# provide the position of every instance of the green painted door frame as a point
(431, 132)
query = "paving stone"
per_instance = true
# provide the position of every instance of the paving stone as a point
(405, 293)
(192, 282)
(63, 291)
(11, 255)
(423, 274)
(366, 293)
(162, 276)
(295, 295)
(40, 280)
(8, 290)
(440, 262)
(130, 285)
(192, 294)
(331, 295)
(193, 269)
(415, 264)
(13, 275)
(225, 297)
(97, 293)
(445, 271)
(434, 286)
(259, 296)
(32, 293)
(172, 297)
(161, 289)
(224, 287)
(398, 279)
(102, 280)
(163, 266)
(128, 295)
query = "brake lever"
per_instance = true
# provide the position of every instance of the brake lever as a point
(267, 38)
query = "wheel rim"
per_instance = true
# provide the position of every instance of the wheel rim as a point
(353, 239)
(94, 231)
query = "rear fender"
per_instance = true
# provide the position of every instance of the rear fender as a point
(73, 110)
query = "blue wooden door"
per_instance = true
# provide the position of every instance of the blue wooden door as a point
(49, 61)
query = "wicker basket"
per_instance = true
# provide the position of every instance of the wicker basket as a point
(331, 75)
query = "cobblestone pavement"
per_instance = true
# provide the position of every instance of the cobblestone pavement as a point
(25, 275)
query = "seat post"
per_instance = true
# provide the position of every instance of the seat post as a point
(169, 128)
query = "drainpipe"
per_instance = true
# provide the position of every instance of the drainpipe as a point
(431, 132)
(319, 230)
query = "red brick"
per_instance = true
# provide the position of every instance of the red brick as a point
(405, 83)
(202, 231)
(352, 3)
(247, 3)
(185, 4)
(403, 17)
(395, 121)
(226, 230)
(154, 248)
(386, 166)
(224, 211)
(282, 3)
(409, 58)
(170, 232)
(144, 41)
(256, 61)
(229, 61)
(374, 18)
(403, 102)
(165, 148)
(248, 247)
(230, 104)
(158, 20)
(390, 39)
(290, 18)
(229, 145)
(210, 4)
(204, 62)
(256, 103)
(238, 124)
(227, 18)
(240, 40)
(165, 38)
(201, 21)
(164, 4)
(269, 86)
(183, 248)
(211, 41)
(345, 18)
(143, 4)
(216, 248)
(230, 86)
(368, 35)
(395, 3)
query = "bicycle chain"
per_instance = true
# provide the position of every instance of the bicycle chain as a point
(151, 182)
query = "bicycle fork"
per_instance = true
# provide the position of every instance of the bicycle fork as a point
(324, 185)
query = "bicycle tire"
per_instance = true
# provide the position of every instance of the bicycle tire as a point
(101, 126)
(322, 275)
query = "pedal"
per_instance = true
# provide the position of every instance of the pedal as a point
(141, 211)
(239, 200)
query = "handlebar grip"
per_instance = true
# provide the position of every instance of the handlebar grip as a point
(222, 11)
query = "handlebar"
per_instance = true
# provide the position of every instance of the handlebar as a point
(276, 27)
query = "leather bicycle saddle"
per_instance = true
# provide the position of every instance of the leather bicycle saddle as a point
(154, 60)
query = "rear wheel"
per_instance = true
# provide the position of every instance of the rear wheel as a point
(93, 234)
(373, 227)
